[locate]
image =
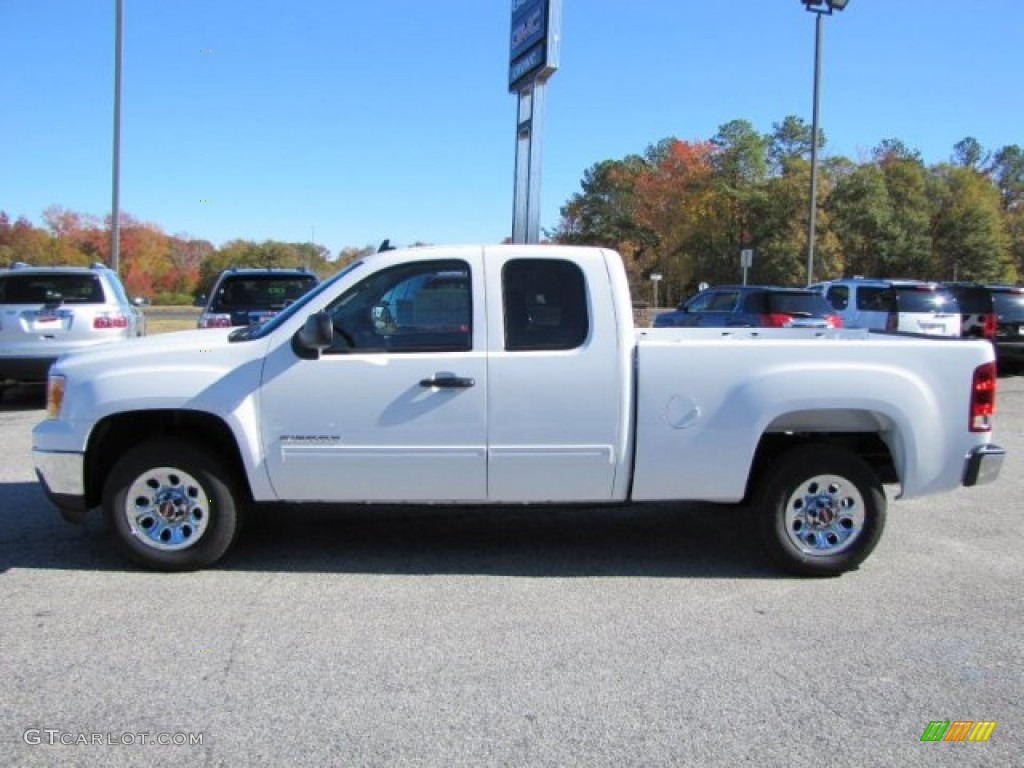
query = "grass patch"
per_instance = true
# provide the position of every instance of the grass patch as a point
(170, 319)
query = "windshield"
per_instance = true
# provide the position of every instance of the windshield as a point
(260, 330)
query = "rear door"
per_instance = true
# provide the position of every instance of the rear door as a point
(557, 400)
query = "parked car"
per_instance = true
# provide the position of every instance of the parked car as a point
(245, 296)
(750, 306)
(907, 306)
(977, 310)
(1009, 338)
(48, 311)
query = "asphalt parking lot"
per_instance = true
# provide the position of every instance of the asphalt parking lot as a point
(650, 637)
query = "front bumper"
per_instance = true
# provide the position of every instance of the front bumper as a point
(983, 464)
(62, 477)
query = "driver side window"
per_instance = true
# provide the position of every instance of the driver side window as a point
(419, 307)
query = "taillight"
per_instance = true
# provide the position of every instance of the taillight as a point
(892, 322)
(215, 321)
(983, 398)
(833, 321)
(109, 320)
(989, 325)
(776, 320)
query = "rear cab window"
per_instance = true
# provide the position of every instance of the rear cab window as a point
(545, 305)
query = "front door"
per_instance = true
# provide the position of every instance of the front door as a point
(395, 410)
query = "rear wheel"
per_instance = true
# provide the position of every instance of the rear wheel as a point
(820, 510)
(172, 506)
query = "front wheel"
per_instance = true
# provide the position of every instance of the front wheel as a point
(171, 505)
(820, 510)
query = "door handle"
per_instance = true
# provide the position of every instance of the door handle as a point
(448, 382)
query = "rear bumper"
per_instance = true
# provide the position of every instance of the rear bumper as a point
(62, 478)
(983, 464)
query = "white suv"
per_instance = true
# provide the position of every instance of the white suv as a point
(48, 311)
(907, 306)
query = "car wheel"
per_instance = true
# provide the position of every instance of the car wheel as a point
(820, 510)
(172, 506)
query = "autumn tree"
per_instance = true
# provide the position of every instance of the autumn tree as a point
(673, 197)
(604, 213)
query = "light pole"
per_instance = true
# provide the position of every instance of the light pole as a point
(115, 206)
(819, 8)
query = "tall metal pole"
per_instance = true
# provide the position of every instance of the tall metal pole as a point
(812, 206)
(115, 207)
(529, 132)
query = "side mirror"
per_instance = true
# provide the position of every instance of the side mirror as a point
(316, 335)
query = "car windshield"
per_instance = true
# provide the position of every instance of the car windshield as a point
(260, 330)
(925, 298)
(39, 288)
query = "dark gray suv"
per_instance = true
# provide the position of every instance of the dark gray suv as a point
(242, 296)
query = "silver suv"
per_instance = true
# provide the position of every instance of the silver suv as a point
(48, 311)
(907, 306)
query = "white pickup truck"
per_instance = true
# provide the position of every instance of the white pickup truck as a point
(509, 375)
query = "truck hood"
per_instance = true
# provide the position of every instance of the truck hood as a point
(190, 369)
(149, 350)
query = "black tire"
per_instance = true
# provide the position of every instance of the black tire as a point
(819, 509)
(172, 505)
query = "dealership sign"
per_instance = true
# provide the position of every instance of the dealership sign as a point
(533, 44)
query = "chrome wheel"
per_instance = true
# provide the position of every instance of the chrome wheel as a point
(821, 509)
(824, 515)
(167, 509)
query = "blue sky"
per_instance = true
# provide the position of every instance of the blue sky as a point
(348, 122)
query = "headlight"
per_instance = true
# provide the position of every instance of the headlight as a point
(54, 396)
